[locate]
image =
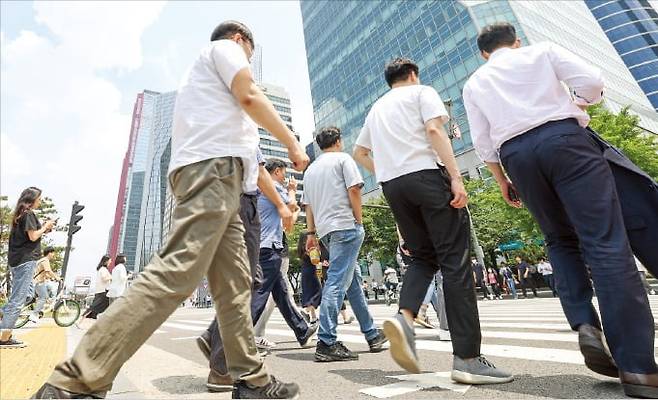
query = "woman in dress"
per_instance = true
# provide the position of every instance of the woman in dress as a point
(101, 302)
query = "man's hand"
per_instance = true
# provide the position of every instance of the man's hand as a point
(298, 157)
(507, 188)
(292, 184)
(286, 216)
(460, 197)
(311, 241)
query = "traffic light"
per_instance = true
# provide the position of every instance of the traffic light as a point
(75, 218)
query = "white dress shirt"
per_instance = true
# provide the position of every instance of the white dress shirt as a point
(119, 281)
(208, 120)
(520, 89)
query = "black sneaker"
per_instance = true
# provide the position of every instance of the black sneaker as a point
(12, 343)
(377, 343)
(335, 352)
(48, 391)
(403, 343)
(307, 340)
(273, 390)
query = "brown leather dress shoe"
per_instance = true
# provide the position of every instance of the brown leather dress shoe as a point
(597, 357)
(219, 382)
(48, 391)
(642, 386)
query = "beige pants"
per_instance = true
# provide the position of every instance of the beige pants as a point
(206, 238)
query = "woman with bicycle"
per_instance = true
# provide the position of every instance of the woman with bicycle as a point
(101, 301)
(24, 251)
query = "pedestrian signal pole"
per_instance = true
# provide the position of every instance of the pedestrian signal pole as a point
(73, 228)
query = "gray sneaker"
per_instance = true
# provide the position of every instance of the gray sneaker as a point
(478, 371)
(403, 343)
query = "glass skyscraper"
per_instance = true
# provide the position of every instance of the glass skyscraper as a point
(632, 27)
(349, 43)
(150, 238)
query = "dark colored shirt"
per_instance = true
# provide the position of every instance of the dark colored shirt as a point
(522, 268)
(479, 271)
(21, 248)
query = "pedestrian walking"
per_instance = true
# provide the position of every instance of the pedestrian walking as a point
(332, 197)
(375, 290)
(404, 132)
(365, 289)
(24, 251)
(492, 280)
(549, 157)
(42, 278)
(119, 279)
(271, 258)
(480, 277)
(102, 284)
(546, 270)
(436, 298)
(213, 153)
(311, 287)
(508, 276)
(526, 280)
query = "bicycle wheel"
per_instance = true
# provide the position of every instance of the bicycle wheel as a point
(66, 312)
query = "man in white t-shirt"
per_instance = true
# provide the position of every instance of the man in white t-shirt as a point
(213, 160)
(332, 195)
(404, 131)
(546, 270)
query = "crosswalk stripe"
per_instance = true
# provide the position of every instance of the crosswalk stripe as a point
(184, 327)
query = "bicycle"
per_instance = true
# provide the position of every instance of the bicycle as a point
(66, 311)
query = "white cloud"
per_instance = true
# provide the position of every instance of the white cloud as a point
(62, 128)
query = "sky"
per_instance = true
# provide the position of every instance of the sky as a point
(70, 73)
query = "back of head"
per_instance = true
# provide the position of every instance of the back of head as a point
(48, 250)
(119, 259)
(399, 70)
(327, 137)
(229, 28)
(495, 36)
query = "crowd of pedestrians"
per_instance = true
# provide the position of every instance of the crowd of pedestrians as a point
(233, 209)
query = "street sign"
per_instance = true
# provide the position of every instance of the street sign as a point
(513, 245)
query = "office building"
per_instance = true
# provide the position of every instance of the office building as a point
(632, 28)
(349, 43)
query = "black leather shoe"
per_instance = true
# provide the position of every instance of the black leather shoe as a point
(48, 391)
(641, 386)
(597, 357)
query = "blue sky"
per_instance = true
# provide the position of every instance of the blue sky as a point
(70, 73)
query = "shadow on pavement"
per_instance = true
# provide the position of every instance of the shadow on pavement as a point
(561, 387)
(185, 384)
(297, 356)
(371, 377)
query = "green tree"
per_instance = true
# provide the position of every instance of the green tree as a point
(5, 229)
(622, 131)
(381, 239)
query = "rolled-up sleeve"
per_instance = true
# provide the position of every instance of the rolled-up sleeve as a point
(585, 81)
(480, 130)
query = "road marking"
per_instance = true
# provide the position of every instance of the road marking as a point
(184, 338)
(414, 383)
(183, 327)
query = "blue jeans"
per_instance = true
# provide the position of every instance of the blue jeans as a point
(344, 277)
(20, 290)
(43, 294)
(436, 297)
(512, 287)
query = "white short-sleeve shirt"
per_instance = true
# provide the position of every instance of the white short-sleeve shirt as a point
(208, 120)
(395, 131)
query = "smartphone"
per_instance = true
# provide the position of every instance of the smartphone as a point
(512, 194)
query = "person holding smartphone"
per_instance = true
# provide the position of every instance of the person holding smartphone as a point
(24, 251)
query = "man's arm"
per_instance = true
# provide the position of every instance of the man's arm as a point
(441, 145)
(254, 102)
(311, 238)
(362, 156)
(266, 186)
(354, 194)
(584, 80)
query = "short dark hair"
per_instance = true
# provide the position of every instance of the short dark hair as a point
(399, 69)
(119, 259)
(496, 35)
(327, 137)
(229, 28)
(48, 250)
(273, 163)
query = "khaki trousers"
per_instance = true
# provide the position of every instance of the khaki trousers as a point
(206, 238)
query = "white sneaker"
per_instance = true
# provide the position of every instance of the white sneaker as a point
(264, 344)
(444, 335)
(652, 292)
